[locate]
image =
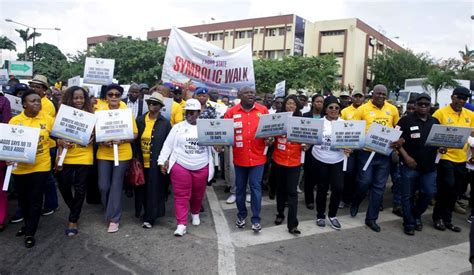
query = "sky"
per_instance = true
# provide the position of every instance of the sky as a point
(438, 27)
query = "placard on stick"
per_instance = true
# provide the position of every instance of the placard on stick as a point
(271, 125)
(215, 131)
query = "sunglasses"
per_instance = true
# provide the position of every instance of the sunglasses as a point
(117, 95)
(423, 104)
(334, 108)
(153, 103)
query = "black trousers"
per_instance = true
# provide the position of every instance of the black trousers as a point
(140, 195)
(74, 176)
(30, 189)
(309, 179)
(328, 175)
(350, 177)
(450, 179)
(287, 179)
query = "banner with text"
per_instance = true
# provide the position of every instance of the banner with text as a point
(15, 104)
(215, 131)
(348, 134)
(305, 130)
(280, 89)
(272, 125)
(379, 137)
(4, 76)
(99, 71)
(73, 125)
(74, 81)
(448, 136)
(114, 125)
(189, 58)
(18, 143)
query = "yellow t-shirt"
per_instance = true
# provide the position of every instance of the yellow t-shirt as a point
(387, 116)
(348, 112)
(177, 113)
(48, 107)
(124, 149)
(145, 140)
(43, 158)
(103, 105)
(80, 155)
(447, 116)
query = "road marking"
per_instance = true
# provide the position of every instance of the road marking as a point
(265, 201)
(454, 261)
(308, 228)
(226, 250)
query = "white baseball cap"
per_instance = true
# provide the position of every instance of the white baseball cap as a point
(192, 104)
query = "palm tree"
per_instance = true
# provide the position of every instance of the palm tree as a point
(7, 44)
(467, 57)
(25, 35)
(437, 80)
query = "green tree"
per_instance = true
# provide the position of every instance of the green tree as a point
(391, 68)
(7, 44)
(135, 60)
(49, 61)
(467, 57)
(437, 80)
(26, 36)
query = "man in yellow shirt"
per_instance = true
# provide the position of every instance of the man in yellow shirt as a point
(357, 100)
(177, 112)
(373, 180)
(452, 166)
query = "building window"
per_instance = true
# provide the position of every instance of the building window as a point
(241, 34)
(281, 31)
(332, 33)
(216, 36)
(270, 54)
(271, 32)
(249, 34)
(338, 54)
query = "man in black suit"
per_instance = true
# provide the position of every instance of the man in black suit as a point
(134, 101)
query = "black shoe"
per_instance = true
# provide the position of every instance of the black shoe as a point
(452, 227)
(20, 232)
(373, 225)
(438, 224)
(418, 225)
(408, 231)
(29, 241)
(16, 219)
(294, 231)
(227, 189)
(397, 211)
(310, 206)
(279, 219)
(129, 193)
(47, 212)
(354, 210)
(202, 209)
(381, 208)
(271, 195)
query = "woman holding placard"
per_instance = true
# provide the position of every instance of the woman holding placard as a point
(190, 166)
(328, 167)
(153, 129)
(111, 176)
(30, 179)
(77, 163)
(286, 166)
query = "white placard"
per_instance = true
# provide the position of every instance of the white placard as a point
(220, 110)
(166, 110)
(448, 136)
(74, 81)
(280, 89)
(305, 130)
(271, 125)
(114, 125)
(15, 104)
(215, 131)
(99, 71)
(18, 143)
(6, 180)
(348, 134)
(379, 137)
(3, 76)
(73, 125)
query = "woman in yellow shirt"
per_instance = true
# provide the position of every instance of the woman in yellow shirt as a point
(153, 129)
(110, 176)
(77, 163)
(30, 179)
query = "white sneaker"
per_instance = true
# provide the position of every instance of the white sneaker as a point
(248, 198)
(231, 199)
(180, 230)
(298, 189)
(196, 220)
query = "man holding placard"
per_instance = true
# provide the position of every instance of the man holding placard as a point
(452, 166)
(417, 164)
(249, 157)
(374, 178)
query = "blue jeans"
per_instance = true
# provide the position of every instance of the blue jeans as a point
(252, 175)
(411, 181)
(372, 180)
(396, 188)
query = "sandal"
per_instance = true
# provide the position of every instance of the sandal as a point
(29, 241)
(70, 232)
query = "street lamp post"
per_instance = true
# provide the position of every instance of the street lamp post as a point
(34, 31)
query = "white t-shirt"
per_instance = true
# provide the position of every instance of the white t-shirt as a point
(323, 152)
(189, 154)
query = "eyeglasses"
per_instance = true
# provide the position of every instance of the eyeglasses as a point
(117, 95)
(423, 104)
(334, 108)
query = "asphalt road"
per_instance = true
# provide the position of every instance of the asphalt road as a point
(217, 246)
